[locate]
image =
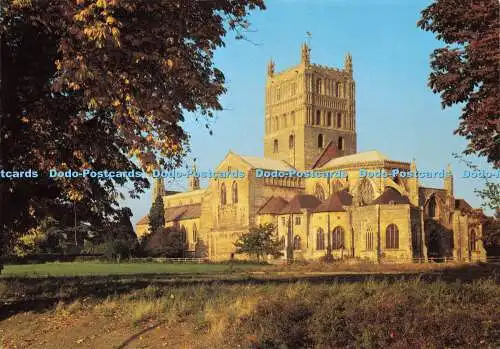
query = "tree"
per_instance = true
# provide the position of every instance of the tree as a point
(466, 69)
(166, 242)
(156, 215)
(101, 85)
(259, 241)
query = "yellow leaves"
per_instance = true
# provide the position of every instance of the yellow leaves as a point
(110, 20)
(116, 103)
(24, 119)
(150, 168)
(74, 195)
(74, 86)
(128, 98)
(149, 138)
(169, 63)
(58, 64)
(127, 81)
(115, 32)
(101, 3)
(92, 104)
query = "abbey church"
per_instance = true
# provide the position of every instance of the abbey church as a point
(310, 125)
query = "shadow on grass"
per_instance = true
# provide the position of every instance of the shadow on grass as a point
(37, 294)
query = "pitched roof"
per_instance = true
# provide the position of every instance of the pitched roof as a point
(326, 155)
(143, 221)
(367, 156)
(273, 206)
(345, 197)
(331, 204)
(266, 163)
(299, 202)
(462, 205)
(391, 196)
(182, 212)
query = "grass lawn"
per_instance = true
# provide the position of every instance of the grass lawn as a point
(97, 268)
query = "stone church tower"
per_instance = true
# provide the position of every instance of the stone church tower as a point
(307, 107)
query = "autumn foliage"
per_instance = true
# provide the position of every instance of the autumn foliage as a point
(103, 84)
(466, 70)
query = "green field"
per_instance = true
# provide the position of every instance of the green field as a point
(96, 268)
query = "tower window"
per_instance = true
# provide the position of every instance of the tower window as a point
(223, 194)
(291, 142)
(283, 120)
(318, 86)
(319, 192)
(472, 240)
(320, 240)
(431, 208)
(275, 146)
(320, 140)
(234, 192)
(318, 117)
(292, 115)
(340, 144)
(339, 120)
(294, 88)
(329, 120)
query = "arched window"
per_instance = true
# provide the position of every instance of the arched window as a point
(339, 120)
(340, 144)
(283, 120)
(234, 192)
(275, 123)
(320, 239)
(392, 236)
(318, 117)
(318, 86)
(319, 192)
(223, 194)
(275, 146)
(472, 240)
(431, 207)
(292, 115)
(296, 242)
(320, 140)
(337, 89)
(183, 235)
(195, 233)
(291, 142)
(329, 119)
(369, 238)
(338, 238)
(282, 243)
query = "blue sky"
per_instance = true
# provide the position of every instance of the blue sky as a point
(397, 113)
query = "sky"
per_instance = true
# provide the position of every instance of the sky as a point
(397, 113)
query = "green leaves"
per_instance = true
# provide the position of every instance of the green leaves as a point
(259, 241)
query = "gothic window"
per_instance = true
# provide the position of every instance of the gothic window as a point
(183, 235)
(319, 192)
(337, 238)
(223, 194)
(339, 120)
(320, 239)
(365, 192)
(329, 120)
(431, 207)
(294, 88)
(283, 121)
(337, 89)
(292, 115)
(275, 146)
(340, 144)
(275, 123)
(296, 243)
(472, 240)
(195, 233)
(369, 238)
(318, 117)
(291, 142)
(234, 192)
(318, 86)
(392, 236)
(282, 243)
(297, 220)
